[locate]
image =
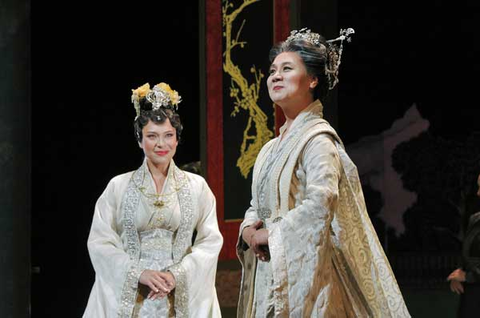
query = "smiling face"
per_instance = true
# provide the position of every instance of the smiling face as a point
(288, 82)
(159, 142)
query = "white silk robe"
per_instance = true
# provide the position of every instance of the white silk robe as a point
(127, 237)
(325, 257)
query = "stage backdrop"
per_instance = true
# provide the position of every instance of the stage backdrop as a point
(239, 116)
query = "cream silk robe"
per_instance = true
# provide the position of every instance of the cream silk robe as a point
(129, 234)
(325, 256)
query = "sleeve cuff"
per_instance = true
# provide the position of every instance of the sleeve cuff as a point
(129, 291)
(181, 289)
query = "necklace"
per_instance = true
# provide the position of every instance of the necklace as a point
(156, 199)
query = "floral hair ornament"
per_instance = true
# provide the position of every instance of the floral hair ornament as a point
(160, 96)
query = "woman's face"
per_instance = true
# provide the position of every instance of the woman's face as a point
(288, 80)
(159, 142)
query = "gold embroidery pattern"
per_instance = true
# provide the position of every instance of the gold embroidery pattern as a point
(371, 268)
(248, 99)
(129, 291)
(181, 290)
(156, 240)
(182, 243)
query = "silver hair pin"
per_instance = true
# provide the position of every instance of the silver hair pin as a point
(344, 35)
(158, 97)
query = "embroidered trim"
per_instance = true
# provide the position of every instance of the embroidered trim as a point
(279, 266)
(130, 286)
(129, 292)
(182, 244)
(157, 241)
(284, 181)
(185, 231)
(374, 274)
(181, 294)
(296, 135)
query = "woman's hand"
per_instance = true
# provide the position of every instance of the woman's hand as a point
(257, 239)
(457, 275)
(160, 283)
(456, 278)
(250, 230)
(259, 244)
(456, 287)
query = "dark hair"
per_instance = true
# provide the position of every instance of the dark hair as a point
(319, 60)
(158, 116)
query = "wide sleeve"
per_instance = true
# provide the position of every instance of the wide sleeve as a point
(111, 263)
(251, 215)
(195, 273)
(299, 240)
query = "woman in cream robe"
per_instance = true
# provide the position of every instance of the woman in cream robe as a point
(133, 231)
(319, 255)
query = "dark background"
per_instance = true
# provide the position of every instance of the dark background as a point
(87, 56)
(409, 52)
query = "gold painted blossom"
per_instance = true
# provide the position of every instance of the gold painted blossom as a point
(244, 94)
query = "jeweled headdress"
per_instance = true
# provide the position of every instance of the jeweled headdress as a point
(305, 35)
(314, 38)
(160, 96)
(334, 51)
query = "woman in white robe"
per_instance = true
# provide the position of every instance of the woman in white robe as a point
(307, 245)
(154, 240)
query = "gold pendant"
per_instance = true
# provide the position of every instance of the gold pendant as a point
(158, 203)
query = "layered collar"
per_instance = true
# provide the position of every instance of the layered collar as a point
(315, 109)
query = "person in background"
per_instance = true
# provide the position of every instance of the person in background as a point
(465, 280)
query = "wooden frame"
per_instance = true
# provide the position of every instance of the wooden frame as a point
(213, 117)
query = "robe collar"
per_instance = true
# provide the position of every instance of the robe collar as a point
(315, 108)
